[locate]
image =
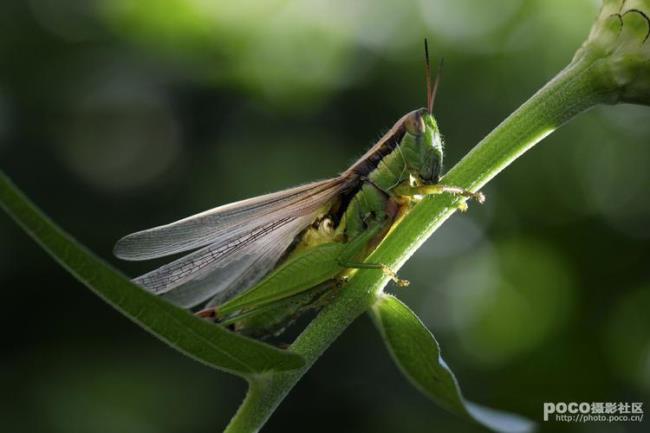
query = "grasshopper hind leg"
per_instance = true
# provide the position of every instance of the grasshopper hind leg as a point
(271, 320)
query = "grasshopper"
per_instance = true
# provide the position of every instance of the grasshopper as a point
(260, 263)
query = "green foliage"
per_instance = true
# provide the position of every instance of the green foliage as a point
(195, 337)
(417, 353)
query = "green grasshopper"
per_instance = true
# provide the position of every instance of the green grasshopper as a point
(260, 263)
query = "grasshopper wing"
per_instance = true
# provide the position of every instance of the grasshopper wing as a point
(221, 270)
(238, 244)
(226, 221)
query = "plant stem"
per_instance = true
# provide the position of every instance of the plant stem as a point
(572, 91)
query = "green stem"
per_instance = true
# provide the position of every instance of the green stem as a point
(572, 91)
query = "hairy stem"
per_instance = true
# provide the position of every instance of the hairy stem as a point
(572, 91)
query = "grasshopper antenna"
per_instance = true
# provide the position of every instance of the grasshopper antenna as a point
(427, 75)
(432, 87)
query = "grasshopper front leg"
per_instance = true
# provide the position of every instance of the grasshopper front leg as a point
(438, 188)
(407, 190)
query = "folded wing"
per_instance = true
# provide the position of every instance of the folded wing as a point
(225, 221)
(238, 244)
(247, 266)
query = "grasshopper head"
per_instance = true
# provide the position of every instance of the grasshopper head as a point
(421, 146)
(422, 143)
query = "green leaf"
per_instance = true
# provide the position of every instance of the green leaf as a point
(197, 338)
(417, 354)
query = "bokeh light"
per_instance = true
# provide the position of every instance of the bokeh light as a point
(120, 135)
(507, 299)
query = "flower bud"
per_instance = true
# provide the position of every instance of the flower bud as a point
(618, 49)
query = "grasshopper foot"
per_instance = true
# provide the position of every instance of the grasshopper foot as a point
(385, 269)
(439, 188)
(393, 276)
(478, 197)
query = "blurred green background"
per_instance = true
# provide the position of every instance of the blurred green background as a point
(119, 115)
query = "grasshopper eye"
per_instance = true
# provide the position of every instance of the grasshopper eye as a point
(414, 123)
